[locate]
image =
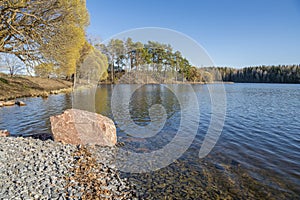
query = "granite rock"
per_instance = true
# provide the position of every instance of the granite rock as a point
(82, 127)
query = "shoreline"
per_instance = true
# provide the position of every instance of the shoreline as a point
(175, 83)
(43, 94)
(65, 90)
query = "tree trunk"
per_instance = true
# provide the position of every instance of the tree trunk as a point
(112, 72)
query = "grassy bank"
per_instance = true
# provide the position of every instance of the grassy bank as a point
(26, 86)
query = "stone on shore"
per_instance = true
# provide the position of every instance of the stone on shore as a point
(44, 95)
(9, 103)
(1, 104)
(82, 127)
(4, 133)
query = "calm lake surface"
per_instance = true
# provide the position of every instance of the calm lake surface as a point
(256, 157)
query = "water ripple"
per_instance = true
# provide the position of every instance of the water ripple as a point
(261, 130)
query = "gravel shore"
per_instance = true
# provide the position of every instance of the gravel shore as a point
(35, 169)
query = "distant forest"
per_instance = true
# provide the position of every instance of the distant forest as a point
(258, 74)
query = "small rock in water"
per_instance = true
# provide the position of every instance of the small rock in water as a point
(120, 144)
(235, 163)
(20, 103)
(219, 167)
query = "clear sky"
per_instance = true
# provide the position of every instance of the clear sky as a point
(235, 33)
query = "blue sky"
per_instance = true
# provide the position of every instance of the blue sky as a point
(235, 33)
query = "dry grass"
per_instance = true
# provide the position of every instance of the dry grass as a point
(23, 86)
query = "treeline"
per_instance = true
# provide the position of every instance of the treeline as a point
(258, 74)
(162, 63)
(48, 37)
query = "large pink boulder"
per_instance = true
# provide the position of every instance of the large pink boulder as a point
(82, 127)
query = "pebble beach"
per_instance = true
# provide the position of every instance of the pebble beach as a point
(35, 169)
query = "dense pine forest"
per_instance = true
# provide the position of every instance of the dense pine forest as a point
(258, 74)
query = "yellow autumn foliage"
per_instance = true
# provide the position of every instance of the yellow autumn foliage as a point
(64, 48)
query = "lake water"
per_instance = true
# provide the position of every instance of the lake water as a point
(256, 157)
